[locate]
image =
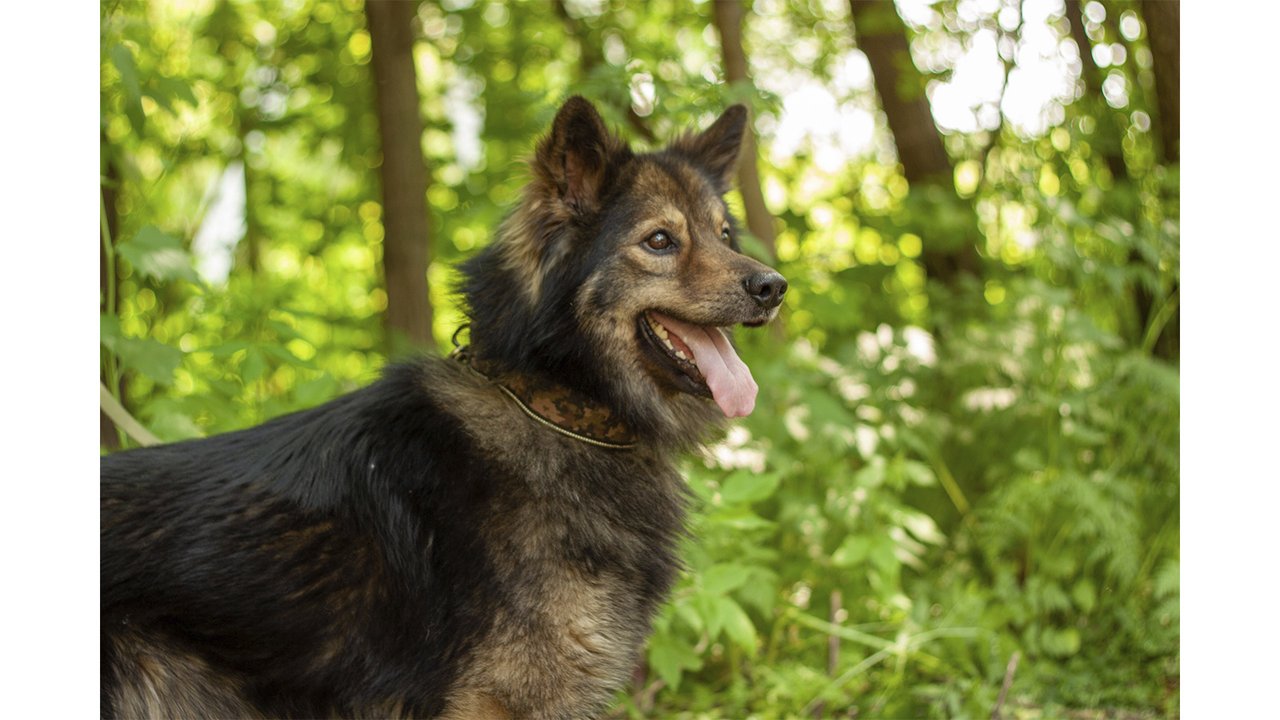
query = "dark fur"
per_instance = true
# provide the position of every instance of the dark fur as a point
(420, 547)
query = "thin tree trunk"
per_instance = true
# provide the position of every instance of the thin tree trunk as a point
(1163, 35)
(248, 251)
(406, 241)
(109, 436)
(729, 16)
(253, 234)
(882, 36)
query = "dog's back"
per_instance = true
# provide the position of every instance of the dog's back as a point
(299, 560)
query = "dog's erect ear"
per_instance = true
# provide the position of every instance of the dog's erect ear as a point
(576, 157)
(716, 148)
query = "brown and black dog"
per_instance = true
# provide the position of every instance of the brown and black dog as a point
(481, 536)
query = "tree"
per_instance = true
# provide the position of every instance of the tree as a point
(1163, 33)
(109, 436)
(882, 36)
(728, 21)
(407, 234)
(228, 24)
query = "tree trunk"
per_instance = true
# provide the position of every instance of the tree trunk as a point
(109, 436)
(882, 36)
(1163, 35)
(251, 244)
(407, 236)
(729, 19)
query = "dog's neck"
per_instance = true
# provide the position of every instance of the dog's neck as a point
(555, 406)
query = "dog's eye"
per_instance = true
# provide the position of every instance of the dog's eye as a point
(659, 242)
(724, 235)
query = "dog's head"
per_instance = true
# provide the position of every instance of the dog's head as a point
(620, 274)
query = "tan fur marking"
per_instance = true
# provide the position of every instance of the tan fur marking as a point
(521, 239)
(157, 681)
(475, 705)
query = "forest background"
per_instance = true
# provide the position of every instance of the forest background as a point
(959, 494)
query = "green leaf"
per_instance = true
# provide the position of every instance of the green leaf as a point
(158, 255)
(314, 392)
(882, 556)
(284, 355)
(725, 577)
(761, 591)
(1060, 642)
(738, 520)
(122, 58)
(853, 551)
(170, 421)
(178, 89)
(688, 613)
(153, 359)
(1085, 595)
(284, 330)
(923, 527)
(743, 487)
(1167, 580)
(737, 625)
(872, 475)
(254, 365)
(670, 656)
(919, 473)
(709, 610)
(228, 348)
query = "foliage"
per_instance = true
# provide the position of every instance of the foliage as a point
(975, 469)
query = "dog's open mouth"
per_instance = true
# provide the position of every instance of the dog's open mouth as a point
(701, 361)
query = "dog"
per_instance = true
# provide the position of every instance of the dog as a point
(484, 535)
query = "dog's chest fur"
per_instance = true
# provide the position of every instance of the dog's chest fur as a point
(581, 543)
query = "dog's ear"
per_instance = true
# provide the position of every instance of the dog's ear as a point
(716, 148)
(576, 157)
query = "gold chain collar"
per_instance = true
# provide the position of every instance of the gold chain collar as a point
(555, 407)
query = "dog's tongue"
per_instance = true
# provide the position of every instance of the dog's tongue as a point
(728, 377)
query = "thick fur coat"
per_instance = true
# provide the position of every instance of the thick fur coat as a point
(422, 547)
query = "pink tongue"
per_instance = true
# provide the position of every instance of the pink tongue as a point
(728, 377)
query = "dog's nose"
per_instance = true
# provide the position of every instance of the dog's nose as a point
(767, 288)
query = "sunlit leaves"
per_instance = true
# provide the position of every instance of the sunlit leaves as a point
(744, 487)
(670, 656)
(153, 359)
(724, 577)
(122, 58)
(159, 256)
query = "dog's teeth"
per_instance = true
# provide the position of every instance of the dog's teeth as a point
(680, 354)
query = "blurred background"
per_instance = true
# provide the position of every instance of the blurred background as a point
(958, 494)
